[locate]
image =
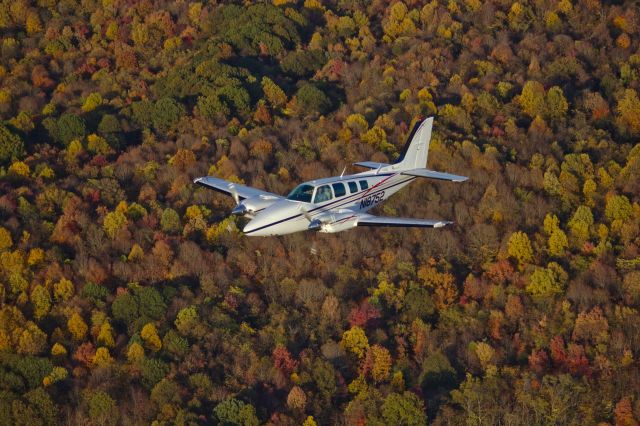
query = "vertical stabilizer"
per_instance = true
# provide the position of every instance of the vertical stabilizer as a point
(415, 152)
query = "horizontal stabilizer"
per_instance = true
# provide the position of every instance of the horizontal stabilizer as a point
(370, 220)
(426, 173)
(371, 164)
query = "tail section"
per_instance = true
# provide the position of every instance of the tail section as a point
(415, 152)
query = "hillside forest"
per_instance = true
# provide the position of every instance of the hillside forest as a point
(129, 296)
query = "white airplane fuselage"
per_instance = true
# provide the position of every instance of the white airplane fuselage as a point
(341, 202)
(286, 216)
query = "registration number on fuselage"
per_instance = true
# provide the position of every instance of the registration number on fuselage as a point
(372, 200)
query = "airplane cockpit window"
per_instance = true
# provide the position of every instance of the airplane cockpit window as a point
(323, 194)
(301, 193)
(353, 187)
(338, 189)
(364, 185)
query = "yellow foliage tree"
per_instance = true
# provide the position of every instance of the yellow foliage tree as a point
(519, 247)
(557, 242)
(531, 99)
(150, 336)
(355, 341)
(113, 222)
(105, 335)
(93, 101)
(63, 289)
(136, 253)
(135, 352)
(381, 363)
(102, 357)
(628, 112)
(36, 256)
(41, 301)
(77, 327)
(5, 239)
(57, 374)
(58, 350)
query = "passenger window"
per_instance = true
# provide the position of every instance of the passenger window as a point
(338, 189)
(323, 194)
(364, 185)
(353, 187)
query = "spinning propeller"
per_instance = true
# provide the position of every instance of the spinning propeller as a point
(240, 209)
(314, 224)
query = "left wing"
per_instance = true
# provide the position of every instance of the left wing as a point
(371, 220)
(228, 188)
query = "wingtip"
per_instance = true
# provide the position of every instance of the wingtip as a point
(198, 180)
(442, 224)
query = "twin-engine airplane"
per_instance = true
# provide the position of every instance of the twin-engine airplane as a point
(337, 203)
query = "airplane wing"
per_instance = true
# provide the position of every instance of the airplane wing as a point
(370, 164)
(371, 220)
(226, 187)
(426, 173)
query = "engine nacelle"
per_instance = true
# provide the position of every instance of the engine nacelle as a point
(252, 205)
(334, 222)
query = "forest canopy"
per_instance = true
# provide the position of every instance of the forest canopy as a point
(129, 296)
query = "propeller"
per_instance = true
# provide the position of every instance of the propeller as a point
(314, 224)
(240, 209)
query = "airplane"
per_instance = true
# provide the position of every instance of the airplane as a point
(337, 203)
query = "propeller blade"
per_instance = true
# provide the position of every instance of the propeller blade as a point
(314, 224)
(305, 213)
(234, 193)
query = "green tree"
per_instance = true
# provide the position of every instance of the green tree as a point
(313, 99)
(67, 128)
(125, 308)
(618, 207)
(150, 302)
(152, 371)
(258, 28)
(234, 412)
(556, 104)
(11, 146)
(170, 221)
(212, 106)
(166, 113)
(273, 93)
(101, 407)
(404, 409)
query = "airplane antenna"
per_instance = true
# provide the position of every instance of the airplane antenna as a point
(343, 170)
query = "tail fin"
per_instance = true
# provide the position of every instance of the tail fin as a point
(415, 152)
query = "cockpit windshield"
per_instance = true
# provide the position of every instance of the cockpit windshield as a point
(301, 193)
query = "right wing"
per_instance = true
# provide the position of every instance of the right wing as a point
(371, 220)
(227, 187)
(426, 173)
